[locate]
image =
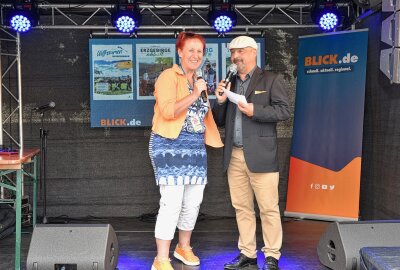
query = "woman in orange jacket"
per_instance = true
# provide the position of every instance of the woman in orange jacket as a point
(182, 125)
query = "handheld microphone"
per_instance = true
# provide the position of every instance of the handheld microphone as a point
(232, 70)
(199, 75)
(45, 107)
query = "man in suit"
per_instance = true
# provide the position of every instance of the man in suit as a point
(250, 152)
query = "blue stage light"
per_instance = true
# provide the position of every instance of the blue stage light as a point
(222, 18)
(23, 16)
(327, 14)
(20, 23)
(328, 21)
(126, 17)
(223, 24)
(125, 24)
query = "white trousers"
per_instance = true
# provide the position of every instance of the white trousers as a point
(179, 207)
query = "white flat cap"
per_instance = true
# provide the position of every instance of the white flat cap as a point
(243, 42)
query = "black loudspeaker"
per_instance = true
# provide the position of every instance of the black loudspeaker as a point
(73, 247)
(339, 246)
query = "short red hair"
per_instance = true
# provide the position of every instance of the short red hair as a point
(183, 36)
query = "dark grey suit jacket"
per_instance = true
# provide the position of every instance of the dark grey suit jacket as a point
(270, 100)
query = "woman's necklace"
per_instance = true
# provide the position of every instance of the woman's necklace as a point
(189, 82)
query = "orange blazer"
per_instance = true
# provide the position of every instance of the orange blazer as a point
(171, 86)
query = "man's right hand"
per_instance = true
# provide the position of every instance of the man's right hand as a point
(220, 92)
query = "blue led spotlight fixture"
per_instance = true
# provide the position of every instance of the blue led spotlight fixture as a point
(326, 14)
(126, 17)
(223, 23)
(125, 24)
(20, 23)
(222, 17)
(328, 21)
(23, 16)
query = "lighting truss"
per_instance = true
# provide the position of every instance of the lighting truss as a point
(163, 19)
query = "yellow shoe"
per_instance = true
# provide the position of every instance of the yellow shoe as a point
(163, 264)
(186, 256)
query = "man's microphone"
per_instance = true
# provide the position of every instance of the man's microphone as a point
(45, 107)
(232, 70)
(199, 75)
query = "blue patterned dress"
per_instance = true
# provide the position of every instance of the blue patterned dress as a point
(182, 161)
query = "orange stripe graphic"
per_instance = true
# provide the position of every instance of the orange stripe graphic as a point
(316, 190)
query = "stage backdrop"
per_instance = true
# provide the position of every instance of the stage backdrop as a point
(123, 73)
(325, 162)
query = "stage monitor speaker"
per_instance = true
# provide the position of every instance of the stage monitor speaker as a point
(73, 247)
(339, 246)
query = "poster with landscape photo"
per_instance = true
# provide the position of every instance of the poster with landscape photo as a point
(152, 59)
(210, 68)
(112, 72)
